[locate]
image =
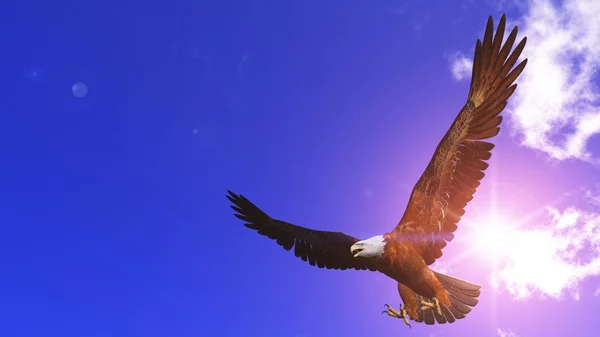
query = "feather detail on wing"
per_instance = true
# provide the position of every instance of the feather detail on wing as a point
(450, 180)
(323, 249)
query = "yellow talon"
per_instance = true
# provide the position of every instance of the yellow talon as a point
(435, 305)
(397, 314)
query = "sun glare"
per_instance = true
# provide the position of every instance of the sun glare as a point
(523, 260)
(491, 238)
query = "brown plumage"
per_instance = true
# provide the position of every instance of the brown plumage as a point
(436, 203)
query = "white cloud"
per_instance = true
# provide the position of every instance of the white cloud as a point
(460, 65)
(506, 333)
(548, 260)
(592, 195)
(556, 108)
(440, 267)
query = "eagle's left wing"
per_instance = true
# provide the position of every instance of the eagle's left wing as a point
(438, 199)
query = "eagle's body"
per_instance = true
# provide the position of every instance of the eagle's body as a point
(403, 263)
(436, 203)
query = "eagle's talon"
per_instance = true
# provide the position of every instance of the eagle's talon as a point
(435, 305)
(397, 314)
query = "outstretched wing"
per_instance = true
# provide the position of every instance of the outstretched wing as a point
(449, 182)
(324, 249)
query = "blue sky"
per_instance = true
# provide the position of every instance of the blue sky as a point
(324, 114)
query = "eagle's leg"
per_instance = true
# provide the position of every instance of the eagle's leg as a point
(397, 314)
(433, 306)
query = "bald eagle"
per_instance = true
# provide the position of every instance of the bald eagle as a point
(436, 203)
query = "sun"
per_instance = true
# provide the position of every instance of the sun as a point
(491, 238)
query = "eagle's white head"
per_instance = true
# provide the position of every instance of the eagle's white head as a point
(371, 248)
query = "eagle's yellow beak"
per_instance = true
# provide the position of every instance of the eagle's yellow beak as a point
(356, 249)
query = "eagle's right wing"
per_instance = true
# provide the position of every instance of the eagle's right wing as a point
(324, 249)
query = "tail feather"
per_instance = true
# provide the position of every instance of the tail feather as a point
(463, 296)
